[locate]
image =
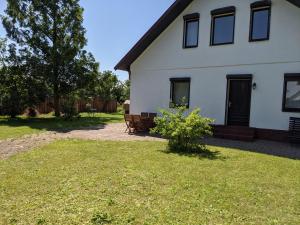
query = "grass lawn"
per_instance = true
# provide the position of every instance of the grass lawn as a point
(89, 182)
(14, 128)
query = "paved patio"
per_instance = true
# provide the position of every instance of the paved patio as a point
(116, 132)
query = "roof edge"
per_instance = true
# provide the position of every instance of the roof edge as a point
(160, 25)
(295, 2)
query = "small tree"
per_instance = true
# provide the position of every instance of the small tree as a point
(68, 107)
(183, 132)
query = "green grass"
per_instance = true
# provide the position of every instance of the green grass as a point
(14, 128)
(89, 182)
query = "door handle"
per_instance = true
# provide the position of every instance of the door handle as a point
(229, 104)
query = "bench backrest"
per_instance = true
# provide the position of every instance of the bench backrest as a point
(294, 130)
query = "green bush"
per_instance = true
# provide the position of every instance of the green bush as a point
(183, 131)
(68, 108)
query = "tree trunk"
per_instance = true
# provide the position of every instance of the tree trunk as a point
(56, 101)
(55, 61)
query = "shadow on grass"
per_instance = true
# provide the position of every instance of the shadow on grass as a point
(60, 124)
(279, 149)
(198, 151)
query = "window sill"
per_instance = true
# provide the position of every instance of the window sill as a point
(189, 47)
(291, 110)
(229, 43)
(259, 40)
(173, 106)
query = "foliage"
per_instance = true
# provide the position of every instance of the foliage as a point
(18, 90)
(51, 35)
(68, 108)
(107, 86)
(183, 132)
(68, 181)
(126, 90)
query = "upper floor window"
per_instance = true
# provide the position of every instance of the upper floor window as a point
(260, 21)
(191, 30)
(180, 92)
(222, 28)
(291, 93)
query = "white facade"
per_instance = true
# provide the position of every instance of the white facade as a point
(208, 66)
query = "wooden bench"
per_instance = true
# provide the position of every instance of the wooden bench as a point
(294, 130)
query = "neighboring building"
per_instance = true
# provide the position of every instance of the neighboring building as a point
(239, 61)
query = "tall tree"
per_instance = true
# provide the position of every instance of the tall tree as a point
(51, 33)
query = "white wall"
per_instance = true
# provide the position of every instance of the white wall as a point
(208, 65)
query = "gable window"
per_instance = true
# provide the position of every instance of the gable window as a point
(222, 27)
(260, 21)
(191, 30)
(180, 92)
(291, 93)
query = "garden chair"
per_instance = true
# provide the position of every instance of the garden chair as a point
(138, 123)
(129, 123)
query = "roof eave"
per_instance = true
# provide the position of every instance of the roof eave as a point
(162, 23)
(295, 2)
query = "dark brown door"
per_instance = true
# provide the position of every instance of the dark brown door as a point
(239, 101)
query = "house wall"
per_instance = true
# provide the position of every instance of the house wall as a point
(207, 66)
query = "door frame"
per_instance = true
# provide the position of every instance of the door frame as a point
(231, 77)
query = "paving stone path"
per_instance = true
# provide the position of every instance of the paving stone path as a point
(116, 132)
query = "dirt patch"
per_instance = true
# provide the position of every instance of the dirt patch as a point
(114, 132)
(11, 147)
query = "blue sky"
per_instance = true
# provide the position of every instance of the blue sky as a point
(114, 26)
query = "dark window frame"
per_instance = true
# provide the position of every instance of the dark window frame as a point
(289, 77)
(195, 17)
(254, 10)
(219, 13)
(182, 79)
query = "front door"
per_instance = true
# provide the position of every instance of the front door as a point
(239, 102)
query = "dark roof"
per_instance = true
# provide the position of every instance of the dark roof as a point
(295, 2)
(163, 22)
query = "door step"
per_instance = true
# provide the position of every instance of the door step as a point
(234, 132)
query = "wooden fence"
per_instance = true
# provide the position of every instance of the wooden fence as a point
(97, 104)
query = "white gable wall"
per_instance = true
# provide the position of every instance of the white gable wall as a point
(208, 65)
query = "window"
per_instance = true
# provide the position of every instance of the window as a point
(180, 92)
(260, 21)
(291, 93)
(222, 29)
(191, 30)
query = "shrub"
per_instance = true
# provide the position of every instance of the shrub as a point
(31, 112)
(68, 108)
(184, 133)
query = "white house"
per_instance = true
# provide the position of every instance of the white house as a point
(238, 60)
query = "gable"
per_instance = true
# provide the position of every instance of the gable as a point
(163, 22)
